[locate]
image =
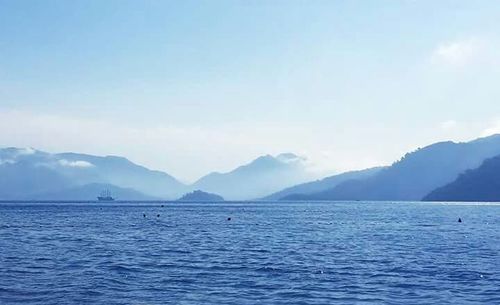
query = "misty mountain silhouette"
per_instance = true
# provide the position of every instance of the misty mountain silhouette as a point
(416, 174)
(481, 184)
(28, 173)
(322, 184)
(123, 173)
(260, 177)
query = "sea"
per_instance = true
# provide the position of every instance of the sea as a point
(250, 253)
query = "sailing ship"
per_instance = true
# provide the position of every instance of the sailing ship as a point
(105, 196)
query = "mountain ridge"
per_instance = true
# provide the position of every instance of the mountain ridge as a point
(479, 184)
(416, 173)
(322, 184)
(260, 177)
(27, 172)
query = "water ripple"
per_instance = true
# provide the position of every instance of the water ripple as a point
(286, 253)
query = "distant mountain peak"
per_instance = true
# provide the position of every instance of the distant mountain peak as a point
(278, 160)
(30, 172)
(264, 175)
(19, 151)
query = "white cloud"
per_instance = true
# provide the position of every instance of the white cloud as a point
(81, 164)
(458, 53)
(448, 125)
(26, 151)
(291, 158)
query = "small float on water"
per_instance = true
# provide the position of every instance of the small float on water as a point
(105, 196)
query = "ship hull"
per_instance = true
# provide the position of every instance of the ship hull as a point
(105, 198)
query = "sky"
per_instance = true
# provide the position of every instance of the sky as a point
(191, 87)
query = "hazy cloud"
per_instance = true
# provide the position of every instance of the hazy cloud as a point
(189, 152)
(448, 125)
(458, 53)
(26, 151)
(184, 151)
(291, 158)
(494, 128)
(82, 164)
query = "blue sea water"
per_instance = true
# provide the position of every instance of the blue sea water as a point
(268, 253)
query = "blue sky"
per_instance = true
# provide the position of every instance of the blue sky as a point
(195, 86)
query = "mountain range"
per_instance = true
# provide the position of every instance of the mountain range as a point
(29, 174)
(33, 174)
(415, 175)
(430, 173)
